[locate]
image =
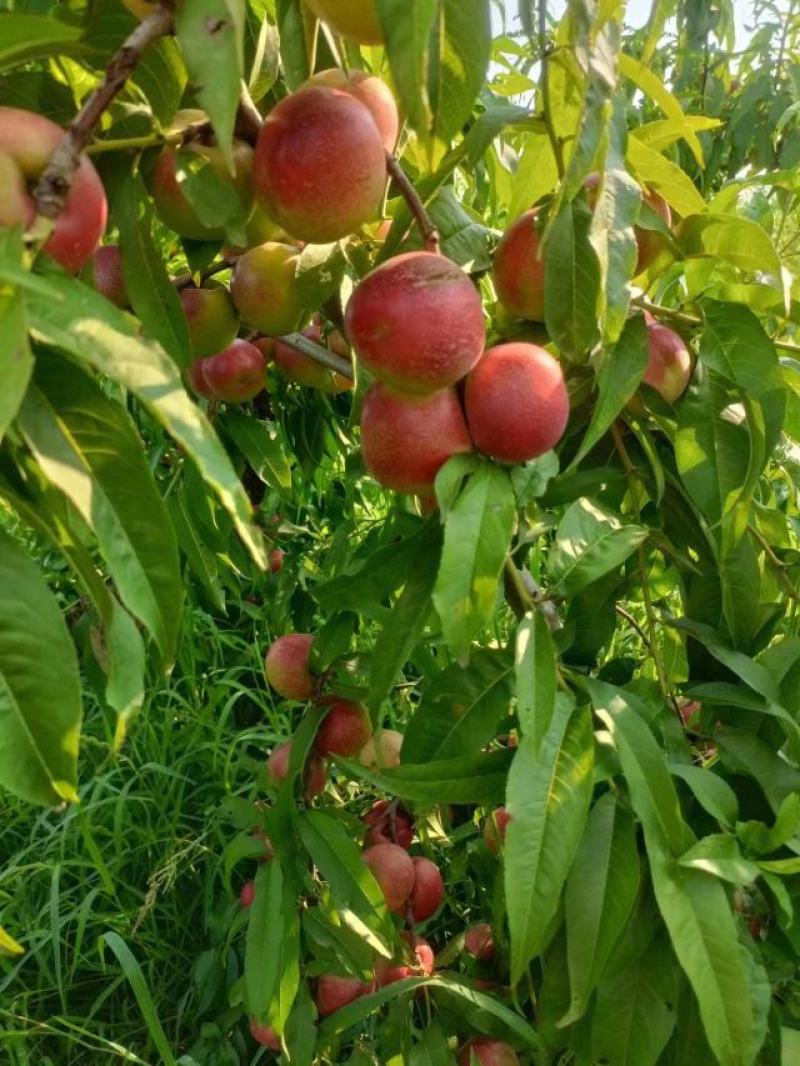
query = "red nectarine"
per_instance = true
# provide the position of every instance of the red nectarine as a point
(394, 871)
(428, 891)
(211, 319)
(488, 1053)
(388, 824)
(494, 829)
(287, 666)
(478, 941)
(345, 729)
(373, 93)
(264, 288)
(519, 269)
(334, 992)
(108, 278)
(669, 363)
(265, 1035)
(278, 769)
(236, 374)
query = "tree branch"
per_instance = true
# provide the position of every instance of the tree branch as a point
(657, 311)
(319, 353)
(53, 186)
(430, 235)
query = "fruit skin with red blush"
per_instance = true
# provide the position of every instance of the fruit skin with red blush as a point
(108, 276)
(479, 941)
(265, 1035)
(516, 402)
(494, 829)
(519, 269)
(334, 992)
(394, 871)
(669, 362)
(428, 892)
(382, 750)
(416, 322)
(320, 165)
(287, 666)
(236, 374)
(278, 769)
(388, 971)
(406, 440)
(373, 93)
(248, 894)
(345, 729)
(211, 319)
(488, 1053)
(387, 827)
(275, 560)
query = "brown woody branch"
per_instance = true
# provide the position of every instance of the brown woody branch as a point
(53, 186)
(430, 235)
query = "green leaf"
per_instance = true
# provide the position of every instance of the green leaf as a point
(477, 534)
(432, 1049)
(260, 445)
(136, 979)
(752, 673)
(748, 754)
(719, 854)
(8, 945)
(644, 764)
(88, 447)
(711, 791)
(762, 839)
(589, 542)
(407, 29)
(161, 75)
(338, 858)
(536, 174)
(734, 344)
(24, 37)
(572, 282)
(202, 561)
(477, 779)
(264, 942)
(664, 177)
(535, 674)
(698, 916)
(293, 46)
(460, 709)
(646, 79)
(152, 295)
(72, 317)
(600, 893)
(734, 240)
(619, 372)
(633, 1019)
(457, 68)
(548, 796)
(211, 36)
(403, 629)
(218, 204)
(16, 361)
(40, 699)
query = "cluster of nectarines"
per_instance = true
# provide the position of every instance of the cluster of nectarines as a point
(411, 884)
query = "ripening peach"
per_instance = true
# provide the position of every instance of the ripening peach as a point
(428, 892)
(373, 93)
(27, 141)
(287, 666)
(516, 402)
(394, 871)
(108, 278)
(345, 729)
(406, 440)
(278, 769)
(320, 164)
(416, 322)
(494, 829)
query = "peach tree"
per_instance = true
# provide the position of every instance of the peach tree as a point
(455, 342)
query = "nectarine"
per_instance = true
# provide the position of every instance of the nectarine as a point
(494, 829)
(278, 768)
(669, 363)
(416, 322)
(334, 992)
(265, 1035)
(387, 825)
(516, 402)
(428, 891)
(394, 871)
(287, 666)
(488, 1053)
(236, 374)
(373, 93)
(519, 269)
(264, 288)
(345, 729)
(211, 319)
(108, 278)
(406, 440)
(320, 165)
(248, 894)
(478, 941)
(27, 141)
(382, 750)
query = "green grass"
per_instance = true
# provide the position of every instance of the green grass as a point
(119, 900)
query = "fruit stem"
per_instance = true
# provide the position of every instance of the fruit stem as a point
(430, 235)
(319, 354)
(150, 140)
(695, 320)
(55, 182)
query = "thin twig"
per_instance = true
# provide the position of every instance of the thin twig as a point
(779, 566)
(193, 131)
(183, 281)
(55, 182)
(319, 354)
(430, 235)
(547, 114)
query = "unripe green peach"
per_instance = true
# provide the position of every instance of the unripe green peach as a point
(320, 165)
(357, 19)
(516, 402)
(416, 322)
(303, 370)
(27, 141)
(405, 441)
(264, 288)
(287, 666)
(210, 317)
(108, 278)
(172, 205)
(373, 93)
